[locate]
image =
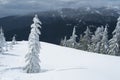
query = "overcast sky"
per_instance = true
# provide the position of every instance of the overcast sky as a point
(10, 7)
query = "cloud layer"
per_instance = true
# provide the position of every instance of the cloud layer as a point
(10, 7)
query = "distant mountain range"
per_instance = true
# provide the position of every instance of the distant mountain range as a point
(59, 23)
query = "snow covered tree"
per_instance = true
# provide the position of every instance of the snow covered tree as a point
(114, 43)
(72, 41)
(32, 58)
(104, 42)
(63, 41)
(79, 44)
(86, 39)
(14, 40)
(96, 40)
(2, 41)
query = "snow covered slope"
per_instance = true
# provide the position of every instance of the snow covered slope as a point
(59, 63)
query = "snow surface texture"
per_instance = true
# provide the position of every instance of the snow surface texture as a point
(59, 63)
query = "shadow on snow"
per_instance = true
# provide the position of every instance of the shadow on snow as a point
(9, 54)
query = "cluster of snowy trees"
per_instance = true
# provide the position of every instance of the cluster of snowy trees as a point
(70, 42)
(4, 45)
(97, 42)
(32, 57)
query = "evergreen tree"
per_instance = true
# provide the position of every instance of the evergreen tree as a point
(14, 40)
(79, 44)
(72, 41)
(2, 41)
(63, 41)
(104, 42)
(114, 43)
(32, 58)
(96, 40)
(86, 40)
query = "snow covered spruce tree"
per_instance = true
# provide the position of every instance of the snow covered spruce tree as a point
(86, 39)
(2, 41)
(104, 42)
(14, 40)
(96, 40)
(79, 44)
(32, 58)
(63, 41)
(114, 43)
(72, 41)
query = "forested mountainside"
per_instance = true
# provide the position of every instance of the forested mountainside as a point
(59, 23)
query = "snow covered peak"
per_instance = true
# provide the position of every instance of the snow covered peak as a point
(88, 8)
(112, 7)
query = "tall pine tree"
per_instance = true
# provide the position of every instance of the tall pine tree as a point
(86, 39)
(104, 42)
(96, 40)
(2, 41)
(14, 40)
(114, 43)
(72, 41)
(32, 58)
(63, 41)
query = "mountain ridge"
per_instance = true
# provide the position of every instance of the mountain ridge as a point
(59, 23)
